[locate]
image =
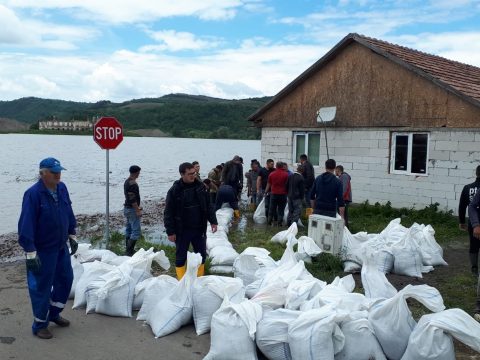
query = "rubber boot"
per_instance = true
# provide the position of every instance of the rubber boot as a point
(201, 270)
(474, 263)
(180, 270)
(130, 250)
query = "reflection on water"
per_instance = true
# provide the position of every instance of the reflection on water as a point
(85, 162)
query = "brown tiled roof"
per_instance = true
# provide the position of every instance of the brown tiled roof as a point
(461, 77)
(453, 76)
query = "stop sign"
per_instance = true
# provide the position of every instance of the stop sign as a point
(108, 133)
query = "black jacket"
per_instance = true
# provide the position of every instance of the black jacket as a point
(327, 192)
(466, 198)
(296, 186)
(173, 216)
(474, 210)
(308, 175)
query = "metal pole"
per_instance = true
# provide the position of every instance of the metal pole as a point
(107, 211)
(326, 140)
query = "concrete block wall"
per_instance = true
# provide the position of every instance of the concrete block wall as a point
(364, 153)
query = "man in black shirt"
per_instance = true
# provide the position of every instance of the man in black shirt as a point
(327, 193)
(296, 195)
(309, 176)
(187, 211)
(466, 198)
(132, 210)
(262, 181)
(474, 223)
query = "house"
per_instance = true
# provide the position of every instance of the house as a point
(74, 125)
(407, 123)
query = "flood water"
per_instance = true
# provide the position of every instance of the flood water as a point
(85, 163)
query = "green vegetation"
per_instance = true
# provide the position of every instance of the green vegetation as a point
(177, 115)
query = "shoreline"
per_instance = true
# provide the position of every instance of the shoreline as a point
(91, 226)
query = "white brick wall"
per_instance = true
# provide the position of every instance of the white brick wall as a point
(364, 153)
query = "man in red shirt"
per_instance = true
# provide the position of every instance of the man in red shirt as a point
(277, 187)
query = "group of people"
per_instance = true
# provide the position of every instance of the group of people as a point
(328, 194)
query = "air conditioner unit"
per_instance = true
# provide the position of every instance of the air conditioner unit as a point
(327, 232)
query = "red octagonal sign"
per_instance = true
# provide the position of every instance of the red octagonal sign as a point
(108, 133)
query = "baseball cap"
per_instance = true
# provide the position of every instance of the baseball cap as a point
(51, 164)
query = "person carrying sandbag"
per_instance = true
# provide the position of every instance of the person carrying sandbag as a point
(187, 211)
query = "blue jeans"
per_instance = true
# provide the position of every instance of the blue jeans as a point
(132, 224)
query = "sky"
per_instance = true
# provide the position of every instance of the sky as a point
(92, 50)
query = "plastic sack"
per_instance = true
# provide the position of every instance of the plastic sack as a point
(272, 296)
(315, 335)
(224, 216)
(175, 310)
(208, 293)
(408, 261)
(222, 255)
(283, 236)
(432, 337)
(384, 260)
(299, 291)
(260, 217)
(272, 333)
(115, 297)
(139, 293)
(424, 238)
(91, 272)
(306, 245)
(233, 331)
(360, 340)
(221, 269)
(157, 288)
(392, 316)
(77, 267)
(374, 281)
(249, 261)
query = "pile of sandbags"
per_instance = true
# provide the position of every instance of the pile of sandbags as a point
(220, 251)
(404, 251)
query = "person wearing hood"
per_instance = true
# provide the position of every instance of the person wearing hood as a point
(347, 189)
(187, 211)
(466, 198)
(327, 193)
(46, 223)
(474, 223)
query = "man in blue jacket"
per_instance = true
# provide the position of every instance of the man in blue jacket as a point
(474, 220)
(327, 193)
(46, 223)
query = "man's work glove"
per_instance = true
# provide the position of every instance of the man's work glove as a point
(236, 214)
(33, 262)
(308, 211)
(72, 239)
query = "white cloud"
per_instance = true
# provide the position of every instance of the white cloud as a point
(172, 40)
(127, 11)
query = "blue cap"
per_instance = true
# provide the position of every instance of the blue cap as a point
(52, 164)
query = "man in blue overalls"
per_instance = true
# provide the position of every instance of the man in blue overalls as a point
(46, 223)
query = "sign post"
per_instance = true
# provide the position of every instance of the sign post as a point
(108, 134)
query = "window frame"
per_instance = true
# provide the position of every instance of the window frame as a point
(306, 134)
(393, 137)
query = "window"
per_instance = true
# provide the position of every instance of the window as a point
(409, 153)
(307, 143)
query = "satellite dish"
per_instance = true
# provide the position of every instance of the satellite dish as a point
(326, 114)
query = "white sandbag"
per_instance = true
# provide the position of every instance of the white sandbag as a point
(221, 269)
(91, 295)
(233, 331)
(77, 267)
(260, 217)
(218, 240)
(282, 236)
(272, 333)
(384, 260)
(339, 299)
(91, 272)
(299, 291)
(351, 250)
(89, 255)
(139, 293)
(224, 216)
(315, 334)
(407, 261)
(360, 340)
(250, 261)
(272, 296)
(424, 237)
(374, 281)
(175, 310)
(208, 293)
(158, 288)
(393, 322)
(432, 337)
(306, 245)
(114, 260)
(222, 255)
(141, 263)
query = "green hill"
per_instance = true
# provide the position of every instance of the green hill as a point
(178, 115)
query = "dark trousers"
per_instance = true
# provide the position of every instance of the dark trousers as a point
(474, 242)
(345, 214)
(276, 209)
(213, 198)
(477, 307)
(197, 238)
(50, 287)
(294, 210)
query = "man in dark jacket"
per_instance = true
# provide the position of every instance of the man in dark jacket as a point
(262, 181)
(309, 176)
(295, 196)
(231, 174)
(132, 210)
(226, 194)
(466, 198)
(474, 221)
(187, 211)
(327, 193)
(46, 223)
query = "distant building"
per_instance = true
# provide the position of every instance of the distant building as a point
(406, 127)
(74, 125)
